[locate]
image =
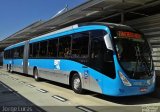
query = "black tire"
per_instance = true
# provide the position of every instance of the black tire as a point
(77, 84)
(35, 75)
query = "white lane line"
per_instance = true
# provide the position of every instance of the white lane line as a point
(15, 79)
(85, 109)
(60, 98)
(30, 85)
(22, 82)
(42, 90)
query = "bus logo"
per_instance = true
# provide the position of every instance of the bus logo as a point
(57, 64)
(86, 74)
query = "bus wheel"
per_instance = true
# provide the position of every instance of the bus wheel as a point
(76, 84)
(35, 74)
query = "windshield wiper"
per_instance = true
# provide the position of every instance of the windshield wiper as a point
(145, 61)
(145, 64)
(137, 61)
(141, 61)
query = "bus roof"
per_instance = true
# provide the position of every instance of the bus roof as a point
(110, 25)
(15, 45)
(77, 26)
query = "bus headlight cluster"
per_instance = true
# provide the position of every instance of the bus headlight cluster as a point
(124, 80)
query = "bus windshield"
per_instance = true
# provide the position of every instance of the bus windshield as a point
(133, 53)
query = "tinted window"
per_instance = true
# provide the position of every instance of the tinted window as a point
(17, 52)
(52, 48)
(80, 42)
(7, 54)
(21, 51)
(35, 50)
(101, 58)
(43, 49)
(64, 46)
(10, 53)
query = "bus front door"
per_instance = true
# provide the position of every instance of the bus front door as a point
(96, 62)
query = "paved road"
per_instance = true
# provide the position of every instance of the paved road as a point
(55, 97)
(10, 100)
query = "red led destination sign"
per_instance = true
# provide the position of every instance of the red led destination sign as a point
(129, 35)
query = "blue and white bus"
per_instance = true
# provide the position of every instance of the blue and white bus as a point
(106, 58)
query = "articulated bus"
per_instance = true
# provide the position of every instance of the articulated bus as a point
(106, 58)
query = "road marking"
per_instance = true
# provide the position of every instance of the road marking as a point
(15, 79)
(22, 82)
(30, 85)
(4, 74)
(85, 109)
(60, 98)
(9, 77)
(42, 90)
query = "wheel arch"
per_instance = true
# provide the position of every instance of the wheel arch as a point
(71, 76)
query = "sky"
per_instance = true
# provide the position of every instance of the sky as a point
(17, 14)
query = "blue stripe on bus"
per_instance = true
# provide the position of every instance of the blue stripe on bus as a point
(15, 45)
(79, 29)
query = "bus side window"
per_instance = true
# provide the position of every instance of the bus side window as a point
(108, 56)
(16, 53)
(80, 43)
(101, 58)
(43, 49)
(35, 49)
(64, 46)
(10, 55)
(96, 43)
(6, 54)
(52, 48)
(95, 49)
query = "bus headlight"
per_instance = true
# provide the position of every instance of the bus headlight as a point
(124, 80)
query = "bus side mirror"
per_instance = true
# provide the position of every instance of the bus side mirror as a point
(108, 42)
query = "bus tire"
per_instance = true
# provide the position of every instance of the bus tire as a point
(77, 84)
(35, 74)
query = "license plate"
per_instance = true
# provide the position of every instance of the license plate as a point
(143, 89)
